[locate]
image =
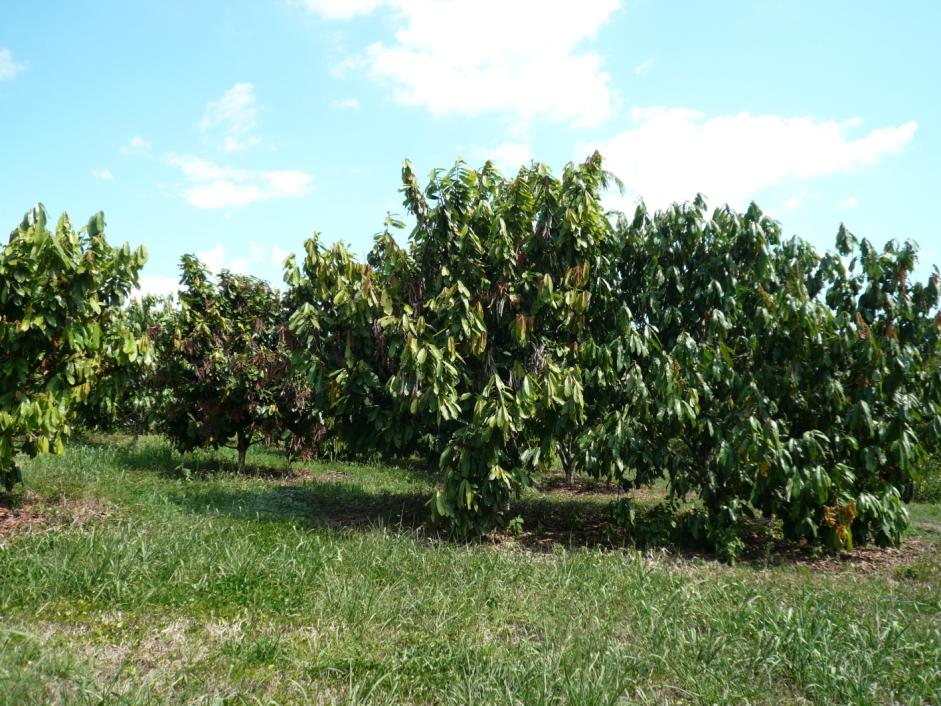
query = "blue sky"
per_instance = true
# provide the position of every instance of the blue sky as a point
(234, 130)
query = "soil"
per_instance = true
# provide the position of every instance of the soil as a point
(22, 515)
(20, 519)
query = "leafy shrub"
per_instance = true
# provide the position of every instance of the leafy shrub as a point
(523, 321)
(470, 346)
(809, 378)
(61, 294)
(225, 359)
(127, 395)
(928, 488)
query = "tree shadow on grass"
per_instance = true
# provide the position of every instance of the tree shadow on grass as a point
(558, 516)
(547, 523)
(338, 501)
(154, 454)
(317, 504)
(151, 454)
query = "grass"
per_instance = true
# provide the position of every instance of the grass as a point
(141, 582)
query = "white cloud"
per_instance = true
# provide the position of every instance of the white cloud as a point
(508, 156)
(234, 144)
(287, 182)
(345, 104)
(235, 110)
(213, 259)
(673, 153)
(235, 114)
(512, 154)
(8, 67)
(521, 59)
(278, 255)
(643, 67)
(207, 184)
(849, 202)
(103, 174)
(199, 169)
(136, 145)
(258, 259)
(222, 194)
(210, 185)
(158, 285)
(341, 9)
(795, 201)
(257, 252)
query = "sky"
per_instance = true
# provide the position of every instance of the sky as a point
(235, 129)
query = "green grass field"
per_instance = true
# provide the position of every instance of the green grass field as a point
(124, 579)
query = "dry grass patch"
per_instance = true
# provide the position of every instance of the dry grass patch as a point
(30, 513)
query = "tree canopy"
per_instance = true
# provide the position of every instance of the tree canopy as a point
(61, 292)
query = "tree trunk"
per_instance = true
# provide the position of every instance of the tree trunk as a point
(243, 442)
(567, 457)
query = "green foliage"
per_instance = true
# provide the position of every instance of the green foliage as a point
(928, 488)
(522, 321)
(127, 395)
(224, 358)
(814, 384)
(467, 347)
(342, 350)
(61, 293)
